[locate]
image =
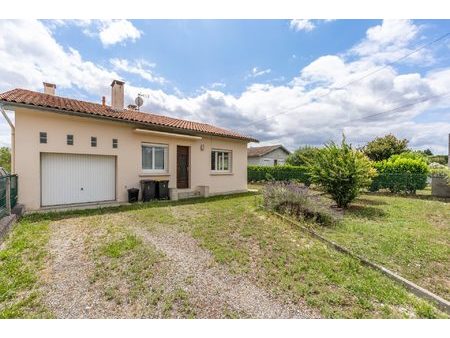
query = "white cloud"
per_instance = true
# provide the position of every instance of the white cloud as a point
(302, 25)
(141, 68)
(110, 32)
(116, 31)
(313, 117)
(255, 72)
(218, 85)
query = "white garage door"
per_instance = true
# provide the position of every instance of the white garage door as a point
(72, 178)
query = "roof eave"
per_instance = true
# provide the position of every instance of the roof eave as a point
(141, 124)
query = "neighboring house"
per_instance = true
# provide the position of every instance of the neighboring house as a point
(267, 155)
(67, 151)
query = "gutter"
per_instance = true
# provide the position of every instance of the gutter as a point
(13, 138)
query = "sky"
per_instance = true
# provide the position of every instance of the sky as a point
(291, 82)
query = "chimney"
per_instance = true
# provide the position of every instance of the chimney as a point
(103, 101)
(49, 88)
(117, 94)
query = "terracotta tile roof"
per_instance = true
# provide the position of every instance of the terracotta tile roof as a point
(261, 151)
(28, 97)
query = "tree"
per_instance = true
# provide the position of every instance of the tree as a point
(428, 152)
(381, 148)
(341, 171)
(5, 158)
(298, 157)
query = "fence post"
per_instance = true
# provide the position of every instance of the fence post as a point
(8, 195)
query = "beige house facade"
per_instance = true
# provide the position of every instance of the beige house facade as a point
(75, 157)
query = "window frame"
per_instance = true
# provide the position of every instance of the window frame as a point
(218, 158)
(43, 137)
(165, 147)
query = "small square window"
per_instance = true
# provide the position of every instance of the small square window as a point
(70, 140)
(93, 141)
(115, 143)
(43, 137)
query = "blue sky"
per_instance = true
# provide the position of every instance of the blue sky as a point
(239, 73)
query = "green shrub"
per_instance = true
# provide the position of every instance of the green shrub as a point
(256, 173)
(298, 157)
(382, 148)
(441, 159)
(404, 173)
(341, 171)
(439, 170)
(295, 200)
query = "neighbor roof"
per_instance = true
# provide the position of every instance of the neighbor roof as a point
(261, 151)
(31, 98)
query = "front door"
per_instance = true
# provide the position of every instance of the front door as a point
(182, 167)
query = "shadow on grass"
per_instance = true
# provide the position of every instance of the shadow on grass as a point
(58, 215)
(410, 196)
(363, 211)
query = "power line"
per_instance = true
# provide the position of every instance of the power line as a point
(429, 98)
(331, 89)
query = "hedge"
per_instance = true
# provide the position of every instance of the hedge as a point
(257, 173)
(400, 175)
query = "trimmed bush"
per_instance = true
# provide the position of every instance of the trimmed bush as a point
(258, 173)
(401, 174)
(295, 200)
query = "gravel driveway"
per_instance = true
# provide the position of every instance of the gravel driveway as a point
(214, 292)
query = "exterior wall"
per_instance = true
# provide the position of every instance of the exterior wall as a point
(30, 122)
(268, 159)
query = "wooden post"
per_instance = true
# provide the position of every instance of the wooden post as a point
(8, 195)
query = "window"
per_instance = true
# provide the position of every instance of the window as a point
(154, 157)
(43, 137)
(70, 140)
(275, 162)
(93, 141)
(221, 160)
(115, 143)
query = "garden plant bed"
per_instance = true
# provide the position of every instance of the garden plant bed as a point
(130, 260)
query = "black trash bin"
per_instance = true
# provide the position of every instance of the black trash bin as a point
(148, 190)
(163, 190)
(133, 195)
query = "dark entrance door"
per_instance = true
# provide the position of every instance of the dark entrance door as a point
(182, 167)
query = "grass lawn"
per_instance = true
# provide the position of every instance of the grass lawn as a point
(250, 242)
(409, 235)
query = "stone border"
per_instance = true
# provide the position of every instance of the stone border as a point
(8, 221)
(441, 303)
(6, 224)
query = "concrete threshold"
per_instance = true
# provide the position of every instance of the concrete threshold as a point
(78, 206)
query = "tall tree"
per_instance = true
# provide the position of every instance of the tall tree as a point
(381, 148)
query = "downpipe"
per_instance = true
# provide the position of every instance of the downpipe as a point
(13, 138)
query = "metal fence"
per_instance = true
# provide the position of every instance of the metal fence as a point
(8, 194)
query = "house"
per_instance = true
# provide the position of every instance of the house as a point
(67, 151)
(267, 155)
